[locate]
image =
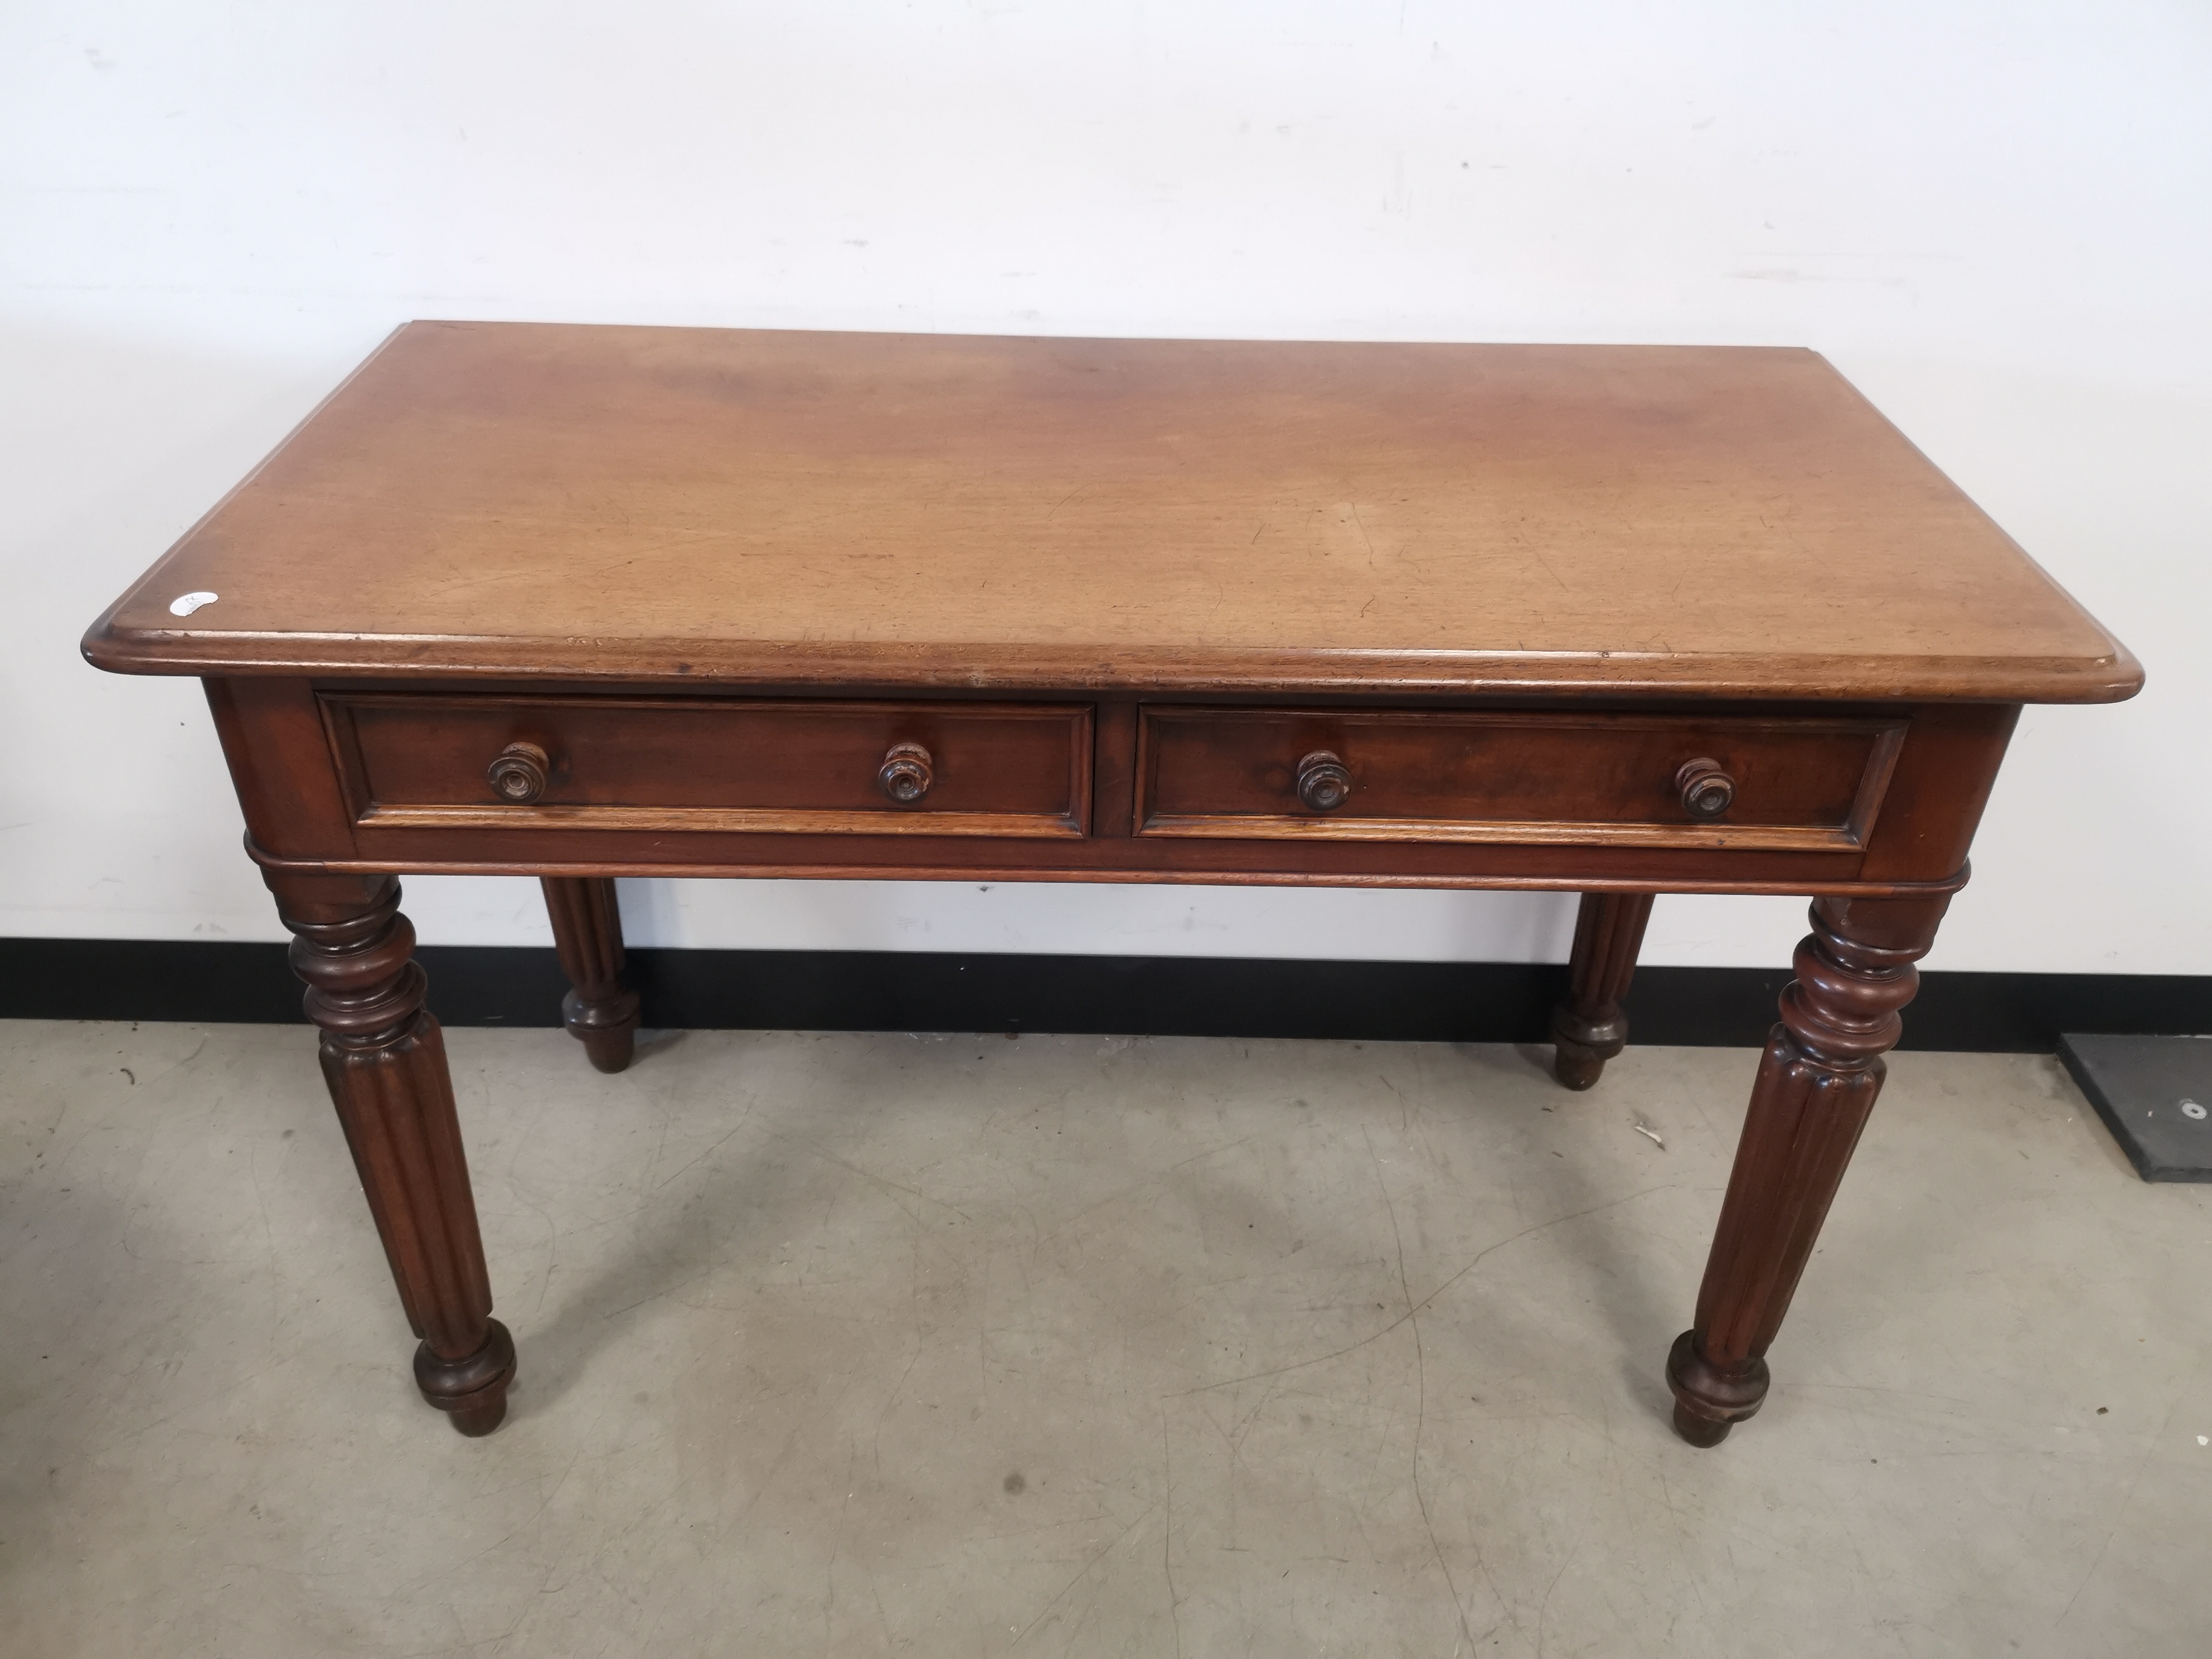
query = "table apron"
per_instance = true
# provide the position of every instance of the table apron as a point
(1030, 794)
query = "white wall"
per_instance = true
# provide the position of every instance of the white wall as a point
(1993, 216)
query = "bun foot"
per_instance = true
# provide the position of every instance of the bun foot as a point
(480, 1420)
(1699, 1430)
(1710, 1401)
(1576, 1067)
(608, 1048)
(471, 1391)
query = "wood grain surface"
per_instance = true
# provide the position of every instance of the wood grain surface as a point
(1511, 777)
(749, 507)
(694, 764)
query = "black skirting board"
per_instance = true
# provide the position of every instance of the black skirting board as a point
(1183, 996)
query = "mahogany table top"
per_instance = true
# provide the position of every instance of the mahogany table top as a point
(762, 507)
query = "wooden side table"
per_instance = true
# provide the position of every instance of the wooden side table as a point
(578, 603)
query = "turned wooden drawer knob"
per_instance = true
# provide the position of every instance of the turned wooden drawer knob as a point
(519, 774)
(1324, 785)
(1707, 792)
(905, 773)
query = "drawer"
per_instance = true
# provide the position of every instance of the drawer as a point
(935, 768)
(1644, 779)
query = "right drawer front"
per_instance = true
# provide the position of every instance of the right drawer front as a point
(1810, 784)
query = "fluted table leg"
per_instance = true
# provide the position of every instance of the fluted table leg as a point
(1589, 1029)
(385, 1061)
(1817, 1082)
(588, 933)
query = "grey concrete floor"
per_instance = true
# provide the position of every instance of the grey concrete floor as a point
(858, 1345)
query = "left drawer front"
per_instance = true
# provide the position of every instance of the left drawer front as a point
(675, 764)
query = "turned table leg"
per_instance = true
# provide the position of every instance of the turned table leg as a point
(1817, 1082)
(588, 933)
(1589, 1029)
(385, 1061)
